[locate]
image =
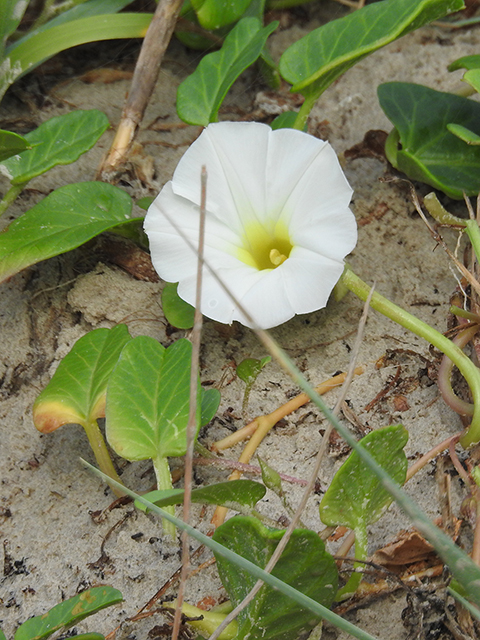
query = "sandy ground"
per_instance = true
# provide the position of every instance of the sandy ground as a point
(53, 545)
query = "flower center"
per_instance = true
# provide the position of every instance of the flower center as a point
(263, 249)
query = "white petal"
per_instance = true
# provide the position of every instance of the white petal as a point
(172, 258)
(333, 235)
(216, 303)
(310, 279)
(234, 154)
(266, 301)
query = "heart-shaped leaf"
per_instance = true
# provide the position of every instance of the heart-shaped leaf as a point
(428, 152)
(67, 218)
(199, 96)
(76, 392)
(148, 400)
(11, 144)
(60, 140)
(68, 613)
(315, 61)
(355, 496)
(234, 494)
(304, 564)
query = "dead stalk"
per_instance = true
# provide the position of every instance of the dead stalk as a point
(192, 418)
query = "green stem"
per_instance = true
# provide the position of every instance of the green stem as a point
(361, 553)
(11, 196)
(473, 232)
(164, 482)
(466, 367)
(304, 111)
(100, 451)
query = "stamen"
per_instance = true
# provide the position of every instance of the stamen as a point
(276, 258)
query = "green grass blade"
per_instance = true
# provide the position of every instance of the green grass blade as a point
(319, 58)
(83, 10)
(253, 569)
(67, 218)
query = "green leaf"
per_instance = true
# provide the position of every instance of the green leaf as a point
(304, 564)
(27, 55)
(90, 636)
(76, 392)
(285, 120)
(473, 79)
(467, 62)
(429, 152)
(210, 401)
(12, 13)
(249, 369)
(68, 613)
(11, 144)
(232, 494)
(148, 400)
(355, 495)
(199, 96)
(179, 313)
(60, 140)
(67, 218)
(213, 14)
(83, 10)
(2, 635)
(254, 570)
(319, 58)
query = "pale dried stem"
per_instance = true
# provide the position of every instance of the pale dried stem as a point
(144, 78)
(192, 416)
(311, 483)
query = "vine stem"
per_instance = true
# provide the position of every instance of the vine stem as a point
(466, 367)
(102, 456)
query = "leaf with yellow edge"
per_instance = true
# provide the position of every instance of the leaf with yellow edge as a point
(76, 393)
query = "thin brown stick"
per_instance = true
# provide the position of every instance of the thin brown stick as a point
(144, 78)
(192, 416)
(306, 494)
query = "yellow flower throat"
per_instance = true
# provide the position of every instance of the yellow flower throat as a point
(264, 250)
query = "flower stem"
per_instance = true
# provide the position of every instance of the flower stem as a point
(466, 367)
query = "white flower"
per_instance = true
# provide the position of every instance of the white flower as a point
(277, 228)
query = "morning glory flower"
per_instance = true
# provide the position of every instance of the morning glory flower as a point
(277, 228)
